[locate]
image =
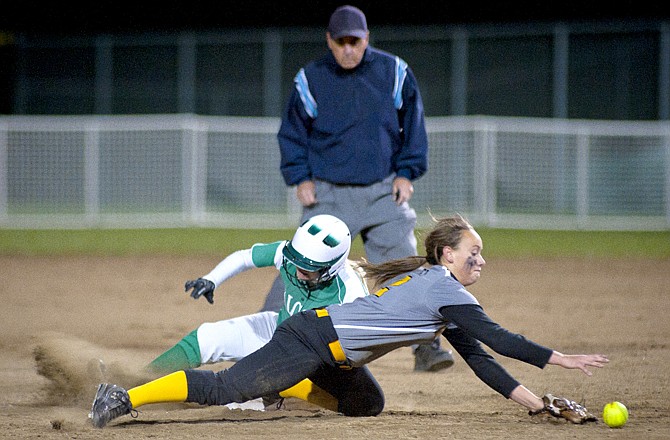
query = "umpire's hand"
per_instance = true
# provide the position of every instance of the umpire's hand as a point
(306, 193)
(402, 190)
(201, 287)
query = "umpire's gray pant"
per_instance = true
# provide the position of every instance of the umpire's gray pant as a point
(387, 230)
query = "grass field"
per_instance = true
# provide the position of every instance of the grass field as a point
(498, 242)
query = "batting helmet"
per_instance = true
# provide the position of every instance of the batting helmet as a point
(322, 245)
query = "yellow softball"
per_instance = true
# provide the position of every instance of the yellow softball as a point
(615, 414)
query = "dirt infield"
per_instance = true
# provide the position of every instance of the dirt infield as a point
(71, 310)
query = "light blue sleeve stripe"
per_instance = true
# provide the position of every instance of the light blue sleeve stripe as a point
(308, 101)
(400, 75)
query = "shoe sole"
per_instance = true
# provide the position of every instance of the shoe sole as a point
(438, 366)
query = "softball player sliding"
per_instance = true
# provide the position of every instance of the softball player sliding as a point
(422, 296)
(316, 273)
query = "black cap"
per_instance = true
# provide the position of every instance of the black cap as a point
(347, 21)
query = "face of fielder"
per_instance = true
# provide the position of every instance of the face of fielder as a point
(465, 262)
(348, 51)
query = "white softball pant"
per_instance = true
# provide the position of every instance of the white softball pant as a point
(233, 339)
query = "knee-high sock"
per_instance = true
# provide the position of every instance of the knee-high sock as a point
(170, 388)
(184, 355)
(308, 391)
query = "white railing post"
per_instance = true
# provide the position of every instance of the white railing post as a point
(4, 178)
(92, 172)
(667, 178)
(484, 187)
(582, 176)
(194, 160)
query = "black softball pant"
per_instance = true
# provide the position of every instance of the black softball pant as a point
(299, 349)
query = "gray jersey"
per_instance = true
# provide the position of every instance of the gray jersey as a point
(404, 313)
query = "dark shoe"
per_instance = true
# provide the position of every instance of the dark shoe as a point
(273, 402)
(430, 358)
(111, 401)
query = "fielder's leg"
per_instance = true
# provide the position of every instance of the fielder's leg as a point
(309, 392)
(356, 391)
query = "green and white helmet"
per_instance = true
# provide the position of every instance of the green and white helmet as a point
(321, 244)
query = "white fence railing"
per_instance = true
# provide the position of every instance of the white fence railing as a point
(187, 170)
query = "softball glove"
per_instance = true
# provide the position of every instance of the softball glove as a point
(563, 408)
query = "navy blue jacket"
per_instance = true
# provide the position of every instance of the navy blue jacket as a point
(354, 126)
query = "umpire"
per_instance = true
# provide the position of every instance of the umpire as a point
(352, 140)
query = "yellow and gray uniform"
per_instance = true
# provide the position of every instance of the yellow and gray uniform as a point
(331, 346)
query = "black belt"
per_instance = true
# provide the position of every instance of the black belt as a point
(354, 185)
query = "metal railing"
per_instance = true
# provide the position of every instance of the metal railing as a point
(187, 170)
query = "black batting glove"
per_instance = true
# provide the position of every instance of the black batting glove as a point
(201, 287)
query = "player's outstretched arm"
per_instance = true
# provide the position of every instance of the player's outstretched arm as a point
(554, 406)
(578, 361)
(201, 287)
(237, 262)
(523, 396)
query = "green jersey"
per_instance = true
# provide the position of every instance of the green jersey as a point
(347, 286)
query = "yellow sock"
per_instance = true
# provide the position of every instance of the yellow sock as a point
(170, 388)
(309, 392)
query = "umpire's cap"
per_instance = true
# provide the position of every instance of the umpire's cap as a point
(347, 21)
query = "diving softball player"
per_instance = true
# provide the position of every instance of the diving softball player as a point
(422, 297)
(316, 273)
